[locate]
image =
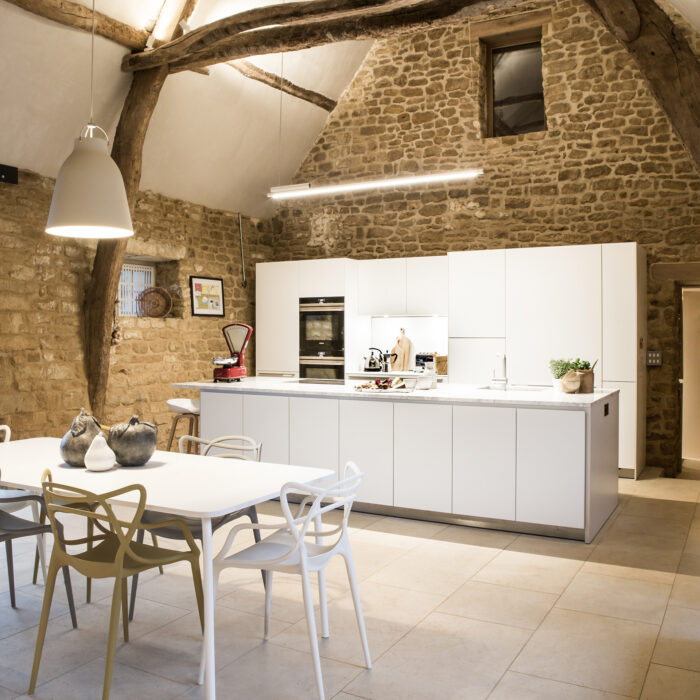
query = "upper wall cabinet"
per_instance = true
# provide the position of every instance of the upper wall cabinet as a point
(403, 286)
(381, 287)
(426, 286)
(624, 329)
(322, 278)
(277, 317)
(477, 283)
(553, 309)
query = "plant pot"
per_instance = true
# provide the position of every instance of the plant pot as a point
(556, 383)
(587, 380)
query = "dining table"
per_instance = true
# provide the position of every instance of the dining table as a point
(188, 485)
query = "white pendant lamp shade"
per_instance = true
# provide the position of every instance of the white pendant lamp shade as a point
(89, 199)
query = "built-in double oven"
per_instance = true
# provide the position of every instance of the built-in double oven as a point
(322, 338)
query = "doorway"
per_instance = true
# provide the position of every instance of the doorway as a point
(690, 435)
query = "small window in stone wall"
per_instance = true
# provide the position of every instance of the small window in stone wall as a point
(133, 280)
(515, 97)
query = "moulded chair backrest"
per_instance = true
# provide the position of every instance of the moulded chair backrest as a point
(61, 498)
(236, 446)
(6, 433)
(341, 494)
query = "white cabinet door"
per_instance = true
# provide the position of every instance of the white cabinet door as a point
(426, 286)
(266, 419)
(628, 423)
(553, 309)
(620, 346)
(313, 432)
(220, 413)
(322, 278)
(423, 456)
(382, 286)
(277, 317)
(483, 462)
(477, 294)
(367, 438)
(472, 360)
(551, 467)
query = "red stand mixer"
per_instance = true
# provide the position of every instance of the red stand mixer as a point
(232, 369)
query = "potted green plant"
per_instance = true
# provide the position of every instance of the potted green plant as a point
(572, 375)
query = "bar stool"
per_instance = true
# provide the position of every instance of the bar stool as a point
(184, 408)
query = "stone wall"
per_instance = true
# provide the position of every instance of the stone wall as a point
(609, 168)
(42, 287)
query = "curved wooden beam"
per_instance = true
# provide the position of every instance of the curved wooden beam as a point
(664, 59)
(80, 17)
(250, 70)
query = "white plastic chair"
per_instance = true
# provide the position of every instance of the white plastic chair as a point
(289, 549)
(17, 505)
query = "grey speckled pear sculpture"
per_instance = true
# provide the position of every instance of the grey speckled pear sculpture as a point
(77, 440)
(133, 443)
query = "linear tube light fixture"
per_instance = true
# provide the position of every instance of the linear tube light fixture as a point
(305, 190)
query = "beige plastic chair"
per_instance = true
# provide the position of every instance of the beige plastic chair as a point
(111, 553)
(228, 446)
(300, 548)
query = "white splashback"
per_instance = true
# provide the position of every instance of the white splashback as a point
(428, 333)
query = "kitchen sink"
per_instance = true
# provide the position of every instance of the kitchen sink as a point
(511, 387)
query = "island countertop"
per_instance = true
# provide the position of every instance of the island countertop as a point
(445, 393)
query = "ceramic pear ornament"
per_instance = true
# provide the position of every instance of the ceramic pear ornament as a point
(134, 442)
(77, 440)
(99, 457)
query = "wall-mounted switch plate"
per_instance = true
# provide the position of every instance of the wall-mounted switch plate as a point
(9, 174)
(654, 358)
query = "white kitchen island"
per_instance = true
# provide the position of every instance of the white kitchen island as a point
(535, 461)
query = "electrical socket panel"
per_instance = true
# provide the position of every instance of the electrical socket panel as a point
(654, 358)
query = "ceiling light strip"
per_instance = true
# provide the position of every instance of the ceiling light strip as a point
(305, 190)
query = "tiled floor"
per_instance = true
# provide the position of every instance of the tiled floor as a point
(451, 612)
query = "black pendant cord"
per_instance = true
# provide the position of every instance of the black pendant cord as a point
(244, 282)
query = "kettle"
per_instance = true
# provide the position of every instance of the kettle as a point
(373, 363)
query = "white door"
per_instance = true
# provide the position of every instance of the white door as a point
(426, 286)
(322, 278)
(483, 462)
(367, 438)
(423, 456)
(266, 419)
(477, 294)
(551, 467)
(381, 286)
(473, 360)
(220, 413)
(691, 374)
(277, 317)
(553, 310)
(619, 302)
(313, 432)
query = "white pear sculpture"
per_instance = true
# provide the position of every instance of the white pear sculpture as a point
(99, 457)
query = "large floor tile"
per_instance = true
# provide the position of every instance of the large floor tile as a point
(87, 681)
(7, 694)
(653, 558)
(598, 652)
(479, 537)
(408, 527)
(518, 686)
(617, 597)
(686, 587)
(551, 547)
(272, 672)
(435, 567)
(679, 639)
(27, 613)
(658, 508)
(534, 572)
(508, 606)
(636, 528)
(665, 683)
(389, 614)
(445, 656)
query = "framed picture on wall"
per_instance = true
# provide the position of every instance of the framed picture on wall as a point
(207, 295)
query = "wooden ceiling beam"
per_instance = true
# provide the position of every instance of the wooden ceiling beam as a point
(80, 17)
(250, 70)
(664, 59)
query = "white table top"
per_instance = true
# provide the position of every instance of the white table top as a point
(186, 485)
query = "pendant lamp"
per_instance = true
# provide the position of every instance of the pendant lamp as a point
(89, 199)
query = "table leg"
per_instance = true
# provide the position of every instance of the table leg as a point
(208, 584)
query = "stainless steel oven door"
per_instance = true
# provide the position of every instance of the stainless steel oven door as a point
(321, 367)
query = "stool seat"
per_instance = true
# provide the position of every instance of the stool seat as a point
(184, 405)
